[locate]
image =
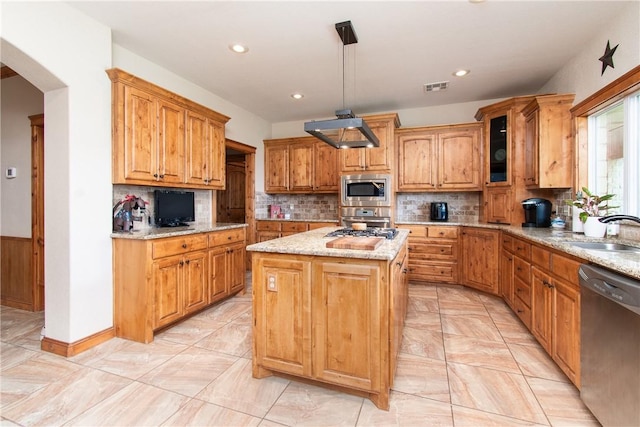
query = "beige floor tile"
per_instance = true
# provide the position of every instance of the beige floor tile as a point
(561, 402)
(535, 362)
(233, 339)
(7, 423)
(199, 413)
(421, 342)
(62, 400)
(135, 359)
(514, 332)
(16, 323)
(466, 417)
(426, 321)
(94, 354)
(308, 405)
(479, 352)
(493, 391)
(12, 355)
(191, 330)
(471, 326)
(406, 410)
(236, 389)
(227, 310)
(506, 316)
(135, 405)
(422, 377)
(424, 291)
(420, 305)
(268, 423)
(33, 374)
(189, 372)
(458, 293)
(462, 308)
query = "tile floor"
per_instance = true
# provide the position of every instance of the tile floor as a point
(465, 361)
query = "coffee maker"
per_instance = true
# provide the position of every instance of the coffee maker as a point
(537, 213)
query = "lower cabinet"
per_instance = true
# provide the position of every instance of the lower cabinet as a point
(331, 320)
(160, 281)
(433, 253)
(270, 229)
(480, 252)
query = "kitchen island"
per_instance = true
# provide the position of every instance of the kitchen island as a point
(334, 316)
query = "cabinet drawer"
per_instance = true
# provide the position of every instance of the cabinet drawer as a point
(431, 272)
(178, 245)
(523, 312)
(415, 230)
(296, 227)
(224, 237)
(541, 257)
(315, 225)
(522, 291)
(565, 268)
(522, 269)
(522, 249)
(507, 243)
(430, 250)
(268, 226)
(442, 232)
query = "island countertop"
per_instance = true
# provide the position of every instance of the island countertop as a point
(314, 243)
(159, 233)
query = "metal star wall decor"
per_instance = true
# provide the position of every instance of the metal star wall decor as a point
(607, 58)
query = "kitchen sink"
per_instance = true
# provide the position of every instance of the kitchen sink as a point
(606, 247)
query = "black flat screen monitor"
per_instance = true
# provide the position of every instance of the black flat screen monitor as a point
(174, 208)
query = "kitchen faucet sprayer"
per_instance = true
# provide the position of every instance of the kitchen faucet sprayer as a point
(611, 218)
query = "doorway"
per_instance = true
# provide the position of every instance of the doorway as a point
(236, 204)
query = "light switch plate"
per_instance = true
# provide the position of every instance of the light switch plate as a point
(11, 173)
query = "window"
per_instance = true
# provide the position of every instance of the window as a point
(614, 156)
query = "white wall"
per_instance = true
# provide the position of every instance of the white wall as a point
(20, 99)
(64, 53)
(243, 127)
(581, 74)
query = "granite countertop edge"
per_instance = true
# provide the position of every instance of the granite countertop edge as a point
(161, 233)
(314, 243)
(299, 220)
(561, 239)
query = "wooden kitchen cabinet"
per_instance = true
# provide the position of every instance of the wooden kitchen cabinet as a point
(480, 252)
(300, 165)
(269, 229)
(548, 142)
(433, 253)
(162, 139)
(504, 162)
(375, 159)
(329, 320)
(440, 158)
(556, 308)
(160, 281)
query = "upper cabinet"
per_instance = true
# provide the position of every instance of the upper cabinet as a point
(378, 159)
(162, 139)
(548, 142)
(300, 165)
(440, 158)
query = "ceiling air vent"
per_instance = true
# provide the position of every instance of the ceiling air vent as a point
(434, 87)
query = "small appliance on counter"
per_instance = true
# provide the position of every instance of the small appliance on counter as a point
(439, 211)
(537, 213)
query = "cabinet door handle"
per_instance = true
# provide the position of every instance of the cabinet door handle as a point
(188, 261)
(181, 263)
(184, 246)
(161, 176)
(519, 311)
(155, 175)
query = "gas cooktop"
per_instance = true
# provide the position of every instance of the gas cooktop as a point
(387, 233)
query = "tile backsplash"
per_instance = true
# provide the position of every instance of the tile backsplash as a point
(463, 206)
(305, 206)
(202, 198)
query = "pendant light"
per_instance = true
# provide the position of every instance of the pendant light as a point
(334, 132)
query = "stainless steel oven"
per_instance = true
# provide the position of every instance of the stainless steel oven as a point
(366, 190)
(374, 217)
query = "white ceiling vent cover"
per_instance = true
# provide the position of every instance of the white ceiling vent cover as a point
(435, 87)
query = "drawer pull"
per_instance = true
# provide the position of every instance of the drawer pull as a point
(184, 246)
(188, 261)
(520, 311)
(181, 263)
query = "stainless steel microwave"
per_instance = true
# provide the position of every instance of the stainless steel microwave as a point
(366, 190)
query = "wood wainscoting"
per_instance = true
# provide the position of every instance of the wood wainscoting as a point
(16, 279)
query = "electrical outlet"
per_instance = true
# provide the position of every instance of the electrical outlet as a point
(291, 207)
(271, 284)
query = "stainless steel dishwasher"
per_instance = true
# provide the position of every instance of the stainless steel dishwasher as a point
(610, 346)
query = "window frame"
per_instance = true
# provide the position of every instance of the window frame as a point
(614, 92)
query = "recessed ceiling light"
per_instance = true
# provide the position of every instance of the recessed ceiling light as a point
(238, 48)
(297, 95)
(461, 73)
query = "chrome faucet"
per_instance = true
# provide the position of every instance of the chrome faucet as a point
(610, 218)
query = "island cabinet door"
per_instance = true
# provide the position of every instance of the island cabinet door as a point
(348, 342)
(282, 323)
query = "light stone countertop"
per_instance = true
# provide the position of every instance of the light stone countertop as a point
(160, 233)
(627, 263)
(314, 243)
(298, 220)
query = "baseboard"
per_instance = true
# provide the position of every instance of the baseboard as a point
(71, 349)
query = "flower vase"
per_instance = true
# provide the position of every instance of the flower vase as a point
(576, 225)
(594, 228)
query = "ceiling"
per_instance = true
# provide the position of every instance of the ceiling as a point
(511, 48)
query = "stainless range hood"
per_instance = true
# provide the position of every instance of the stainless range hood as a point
(334, 132)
